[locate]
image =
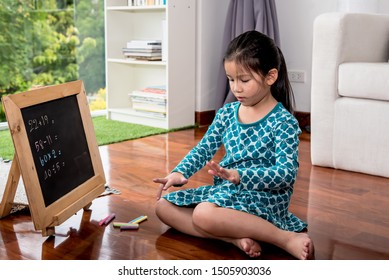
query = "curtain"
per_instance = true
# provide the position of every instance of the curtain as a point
(242, 16)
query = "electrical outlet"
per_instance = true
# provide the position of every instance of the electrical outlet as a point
(296, 76)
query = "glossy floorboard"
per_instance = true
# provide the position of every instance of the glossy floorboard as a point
(347, 213)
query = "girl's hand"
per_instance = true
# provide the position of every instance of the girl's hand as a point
(226, 174)
(173, 179)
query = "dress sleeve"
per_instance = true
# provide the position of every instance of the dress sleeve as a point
(204, 150)
(282, 174)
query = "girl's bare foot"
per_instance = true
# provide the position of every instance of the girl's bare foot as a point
(248, 245)
(300, 246)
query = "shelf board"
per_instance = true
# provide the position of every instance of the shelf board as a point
(137, 62)
(132, 112)
(136, 8)
(131, 116)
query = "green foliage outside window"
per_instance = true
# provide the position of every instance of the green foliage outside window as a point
(47, 42)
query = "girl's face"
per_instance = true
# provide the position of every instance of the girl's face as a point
(248, 87)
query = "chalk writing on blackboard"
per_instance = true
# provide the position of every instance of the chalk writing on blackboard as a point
(59, 147)
(35, 124)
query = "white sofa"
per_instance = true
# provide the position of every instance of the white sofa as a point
(350, 93)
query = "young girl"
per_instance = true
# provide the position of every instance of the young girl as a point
(248, 202)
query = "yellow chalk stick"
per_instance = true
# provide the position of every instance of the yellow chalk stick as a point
(138, 220)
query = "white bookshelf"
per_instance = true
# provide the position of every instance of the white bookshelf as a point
(125, 23)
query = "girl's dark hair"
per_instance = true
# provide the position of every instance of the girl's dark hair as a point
(257, 52)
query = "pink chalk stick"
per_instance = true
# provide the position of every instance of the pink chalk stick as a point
(107, 220)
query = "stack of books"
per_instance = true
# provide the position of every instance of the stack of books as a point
(150, 101)
(150, 50)
(146, 2)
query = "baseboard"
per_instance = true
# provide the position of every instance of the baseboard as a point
(206, 117)
(304, 119)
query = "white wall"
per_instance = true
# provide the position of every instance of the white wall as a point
(295, 20)
(211, 19)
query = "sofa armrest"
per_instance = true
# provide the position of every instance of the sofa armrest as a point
(339, 38)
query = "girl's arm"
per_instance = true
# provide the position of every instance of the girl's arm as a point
(204, 150)
(231, 175)
(173, 179)
(283, 173)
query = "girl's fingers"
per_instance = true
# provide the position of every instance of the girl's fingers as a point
(162, 186)
(160, 180)
(214, 166)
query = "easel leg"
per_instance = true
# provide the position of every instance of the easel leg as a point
(48, 231)
(10, 188)
(87, 207)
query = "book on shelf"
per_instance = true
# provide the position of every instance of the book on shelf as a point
(148, 107)
(144, 44)
(161, 89)
(146, 2)
(151, 100)
(143, 50)
(157, 92)
(147, 54)
(144, 58)
(142, 94)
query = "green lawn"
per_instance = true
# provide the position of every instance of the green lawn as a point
(107, 132)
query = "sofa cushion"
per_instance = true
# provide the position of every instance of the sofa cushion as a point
(364, 80)
(361, 137)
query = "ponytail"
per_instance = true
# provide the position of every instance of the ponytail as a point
(257, 52)
(282, 90)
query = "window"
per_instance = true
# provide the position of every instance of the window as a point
(47, 42)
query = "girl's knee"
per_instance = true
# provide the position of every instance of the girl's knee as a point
(161, 207)
(203, 215)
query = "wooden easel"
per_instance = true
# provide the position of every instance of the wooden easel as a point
(61, 203)
(9, 194)
(10, 189)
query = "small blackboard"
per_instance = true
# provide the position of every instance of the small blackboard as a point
(58, 145)
(56, 151)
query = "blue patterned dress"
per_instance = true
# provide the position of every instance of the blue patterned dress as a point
(265, 153)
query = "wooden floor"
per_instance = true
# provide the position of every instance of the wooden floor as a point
(347, 213)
